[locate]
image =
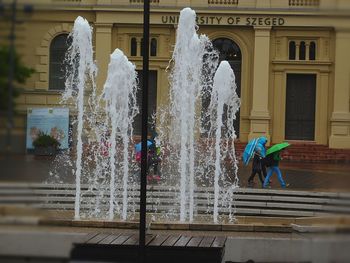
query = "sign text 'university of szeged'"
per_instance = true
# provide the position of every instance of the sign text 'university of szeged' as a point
(230, 20)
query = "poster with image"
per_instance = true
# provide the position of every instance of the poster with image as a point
(51, 121)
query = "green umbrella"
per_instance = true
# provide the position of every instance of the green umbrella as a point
(277, 147)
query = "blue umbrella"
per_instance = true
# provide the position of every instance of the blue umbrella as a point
(138, 146)
(249, 150)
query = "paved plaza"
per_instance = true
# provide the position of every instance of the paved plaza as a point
(266, 244)
(300, 176)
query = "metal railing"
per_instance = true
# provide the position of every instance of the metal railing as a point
(223, 2)
(304, 3)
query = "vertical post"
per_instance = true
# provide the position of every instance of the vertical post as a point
(11, 76)
(142, 250)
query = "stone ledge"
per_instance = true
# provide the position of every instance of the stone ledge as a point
(15, 220)
(206, 227)
(321, 228)
(273, 228)
(170, 226)
(238, 227)
(55, 222)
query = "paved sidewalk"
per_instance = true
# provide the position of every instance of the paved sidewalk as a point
(300, 176)
(53, 244)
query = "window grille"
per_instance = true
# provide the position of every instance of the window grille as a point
(223, 2)
(133, 47)
(312, 52)
(58, 49)
(302, 50)
(153, 47)
(292, 50)
(304, 3)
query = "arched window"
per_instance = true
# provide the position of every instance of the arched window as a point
(312, 53)
(153, 47)
(229, 51)
(58, 49)
(133, 47)
(302, 51)
(292, 50)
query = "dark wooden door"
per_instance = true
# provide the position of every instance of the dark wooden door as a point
(230, 51)
(300, 107)
(152, 101)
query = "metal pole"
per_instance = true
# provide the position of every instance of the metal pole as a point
(10, 77)
(142, 237)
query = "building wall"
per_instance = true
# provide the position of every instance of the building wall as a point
(261, 28)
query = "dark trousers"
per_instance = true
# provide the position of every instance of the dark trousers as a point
(258, 168)
(153, 162)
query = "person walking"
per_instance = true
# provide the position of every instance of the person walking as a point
(154, 158)
(258, 166)
(273, 160)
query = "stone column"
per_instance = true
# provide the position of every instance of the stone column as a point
(307, 50)
(259, 115)
(297, 45)
(340, 120)
(138, 47)
(103, 47)
(322, 107)
(279, 101)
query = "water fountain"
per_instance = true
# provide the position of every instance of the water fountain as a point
(120, 96)
(83, 69)
(106, 165)
(223, 94)
(193, 67)
(100, 164)
(185, 91)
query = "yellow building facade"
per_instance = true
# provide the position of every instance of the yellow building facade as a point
(293, 63)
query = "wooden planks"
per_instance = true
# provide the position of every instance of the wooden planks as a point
(124, 247)
(88, 237)
(207, 242)
(182, 242)
(158, 240)
(149, 238)
(121, 239)
(109, 239)
(219, 242)
(155, 240)
(171, 240)
(132, 240)
(194, 242)
(97, 238)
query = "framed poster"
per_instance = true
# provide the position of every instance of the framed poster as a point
(51, 121)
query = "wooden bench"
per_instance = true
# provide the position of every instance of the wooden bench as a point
(124, 247)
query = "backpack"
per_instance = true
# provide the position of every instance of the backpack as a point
(268, 160)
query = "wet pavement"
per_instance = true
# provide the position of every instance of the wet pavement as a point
(26, 241)
(300, 176)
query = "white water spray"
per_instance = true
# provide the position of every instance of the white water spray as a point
(223, 95)
(120, 96)
(185, 91)
(80, 59)
(191, 158)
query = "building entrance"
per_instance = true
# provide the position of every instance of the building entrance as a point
(152, 101)
(300, 107)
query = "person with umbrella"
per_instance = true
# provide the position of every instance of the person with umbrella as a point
(153, 157)
(272, 159)
(256, 149)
